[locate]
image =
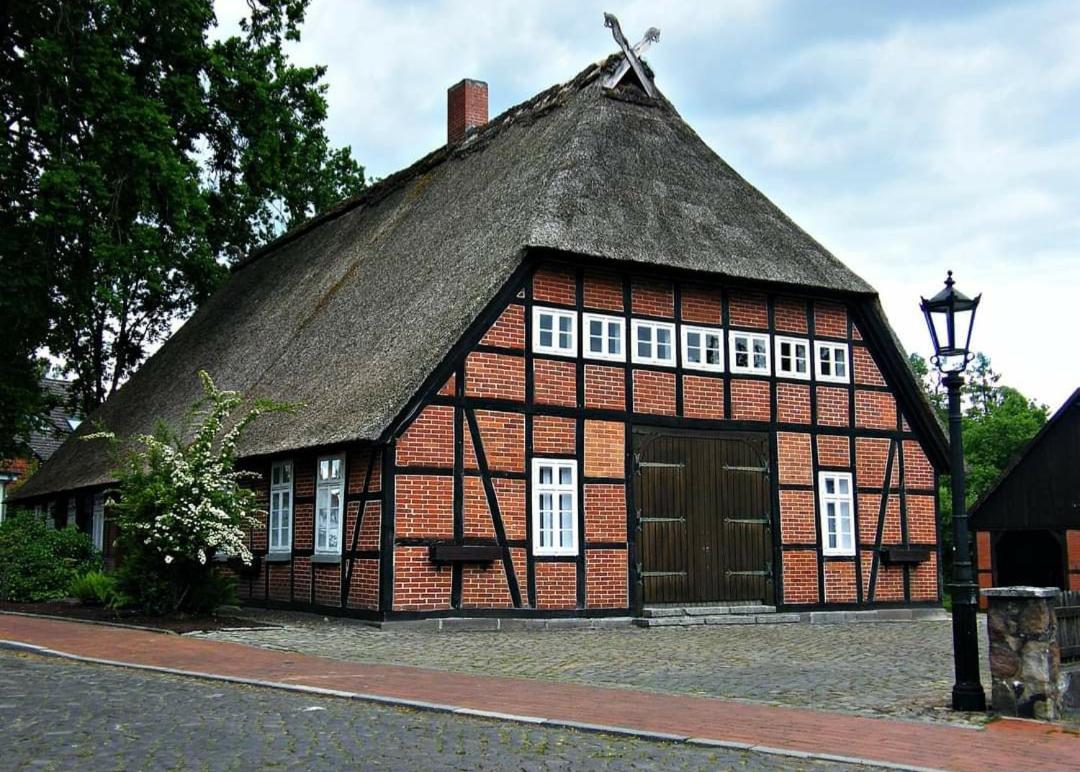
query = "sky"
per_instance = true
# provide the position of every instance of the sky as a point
(907, 137)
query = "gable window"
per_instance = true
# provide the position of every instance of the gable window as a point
(832, 362)
(329, 504)
(653, 343)
(604, 337)
(281, 506)
(837, 513)
(749, 353)
(793, 358)
(555, 508)
(97, 522)
(703, 348)
(554, 332)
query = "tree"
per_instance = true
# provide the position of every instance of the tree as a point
(139, 160)
(998, 423)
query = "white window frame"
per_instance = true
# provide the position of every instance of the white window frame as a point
(607, 322)
(326, 486)
(639, 359)
(778, 348)
(554, 348)
(97, 522)
(692, 329)
(556, 490)
(837, 499)
(749, 368)
(280, 492)
(832, 348)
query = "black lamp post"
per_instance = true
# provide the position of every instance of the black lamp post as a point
(950, 315)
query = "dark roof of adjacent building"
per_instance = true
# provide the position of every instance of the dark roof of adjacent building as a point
(1040, 488)
(58, 424)
(350, 313)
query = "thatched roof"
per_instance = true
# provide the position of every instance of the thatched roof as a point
(350, 313)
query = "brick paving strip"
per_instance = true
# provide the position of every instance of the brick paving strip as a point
(797, 732)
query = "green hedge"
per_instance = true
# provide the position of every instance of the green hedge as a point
(39, 562)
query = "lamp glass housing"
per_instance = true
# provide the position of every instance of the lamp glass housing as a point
(950, 317)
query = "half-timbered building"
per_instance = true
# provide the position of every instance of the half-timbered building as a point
(570, 364)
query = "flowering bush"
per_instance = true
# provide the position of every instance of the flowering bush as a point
(179, 504)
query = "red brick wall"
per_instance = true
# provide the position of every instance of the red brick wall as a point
(800, 577)
(606, 580)
(830, 320)
(795, 458)
(703, 397)
(556, 585)
(792, 403)
(840, 584)
(748, 310)
(503, 435)
(605, 387)
(552, 434)
(750, 400)
(602, 292)
(652, 298)
(834, 450)
(508, 331)
(485, 586)
(797, 524)
(554, 285)
(419, 584)
(654, 392)
(875, 410)
(498, 376)
(702, 305)
(424, 506)
(605, 443)
(605, 512)
(554, 382)
(790, 315)
(832, 406)
(429, 441)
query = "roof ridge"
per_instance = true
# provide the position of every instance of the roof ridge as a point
(535, 105)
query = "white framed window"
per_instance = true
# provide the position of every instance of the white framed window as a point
(703, 348)
(832, 362)
(837, 513)
(555, 506)
(97, 522)
(281, 507)
(749, 352)
(654, 342)
(605, 337)
(793, 358)
(554, 331)
(329, 504)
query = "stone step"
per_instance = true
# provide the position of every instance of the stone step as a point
(662, 612)
(687, 620)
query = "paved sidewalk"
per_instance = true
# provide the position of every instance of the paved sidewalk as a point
(1004, 745)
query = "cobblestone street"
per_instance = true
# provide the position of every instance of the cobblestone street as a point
(64, 715)
(882, 669)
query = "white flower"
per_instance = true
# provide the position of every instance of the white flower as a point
(168, 559)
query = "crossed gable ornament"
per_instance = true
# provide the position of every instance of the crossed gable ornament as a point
(630, 55)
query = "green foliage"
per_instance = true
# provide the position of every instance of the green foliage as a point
(998, 423)
(40, 562)
(140, 156)
(180, 504)
(97, 588)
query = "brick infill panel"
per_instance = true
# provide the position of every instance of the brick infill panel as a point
(1002, 743)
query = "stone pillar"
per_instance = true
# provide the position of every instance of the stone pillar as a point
(1025, 661)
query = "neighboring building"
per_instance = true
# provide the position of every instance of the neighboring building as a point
(42, 443)
(1027, 526)
(568, 365)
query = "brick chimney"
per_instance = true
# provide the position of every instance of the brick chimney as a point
(466, 109)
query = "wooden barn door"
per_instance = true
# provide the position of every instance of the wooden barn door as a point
(703, 516)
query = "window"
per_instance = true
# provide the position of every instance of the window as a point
(837, 513)
(554, 332)
(832, 362)
(281, 495)
(749, 353)
(329, 500)
(97, 522)
(793, 358)
(604, 337)
(554, 507)
(703, 348)
(72, 513)
(653, 343)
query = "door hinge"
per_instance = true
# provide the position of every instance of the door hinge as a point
(663, 573)
(758, 469)
(748, 520)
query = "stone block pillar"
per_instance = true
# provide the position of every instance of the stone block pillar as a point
(1025, 661)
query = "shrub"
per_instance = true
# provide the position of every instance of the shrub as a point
(181, 503)
(94, 588)
(38, 562)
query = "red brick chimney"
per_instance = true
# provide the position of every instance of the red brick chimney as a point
(466, 109)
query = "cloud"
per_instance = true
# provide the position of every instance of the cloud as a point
(908, 138)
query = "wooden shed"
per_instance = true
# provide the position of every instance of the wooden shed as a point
(1028, 524)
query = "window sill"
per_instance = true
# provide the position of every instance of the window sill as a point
(326, 558)
(277, 557)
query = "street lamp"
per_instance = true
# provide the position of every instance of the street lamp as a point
(950, 316)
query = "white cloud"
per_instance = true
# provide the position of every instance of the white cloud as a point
(908, 139)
